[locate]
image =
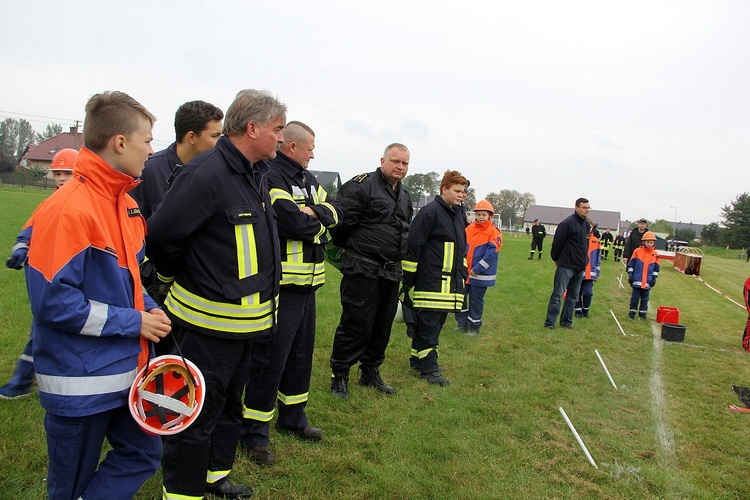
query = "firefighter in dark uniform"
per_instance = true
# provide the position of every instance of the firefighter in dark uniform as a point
(606, 241)
(619, 245)
(281, 369)
(197, 126)
(215, 236)
(435, 267)
(537, 238)
(377, 210)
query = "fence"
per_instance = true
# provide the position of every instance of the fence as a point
(26, 181)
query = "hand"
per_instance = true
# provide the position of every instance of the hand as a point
(630, 281)
(652, 283)
(309, 211)
(18, 257)
(155, 325)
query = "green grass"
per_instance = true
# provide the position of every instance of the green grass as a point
(496, 432)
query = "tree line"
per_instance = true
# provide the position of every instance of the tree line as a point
(15, 138)
(509, 204)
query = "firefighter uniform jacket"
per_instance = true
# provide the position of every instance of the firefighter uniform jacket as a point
(643, 268)
(376, 220)
(435, 265)
(606, 241)
(215, 236)
(155, 179)
(85, 290)
(302, 238)
(619, 243)
(538, 232)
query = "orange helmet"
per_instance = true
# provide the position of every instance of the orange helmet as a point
(167, 395)
(64, 160)
(648, 236)
(485, 205)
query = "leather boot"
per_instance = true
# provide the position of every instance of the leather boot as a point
(370, 377)
(340, 385)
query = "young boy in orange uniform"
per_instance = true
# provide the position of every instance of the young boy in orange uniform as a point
(643, 269)
(483, 242)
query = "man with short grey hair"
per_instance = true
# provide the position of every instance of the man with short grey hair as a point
(214, 236)
(377, 211)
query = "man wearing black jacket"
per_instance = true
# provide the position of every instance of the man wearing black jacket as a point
(377, 211)
(570, 253)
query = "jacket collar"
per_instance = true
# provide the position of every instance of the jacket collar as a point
(289, 166)
(238, 161)
(101, 176)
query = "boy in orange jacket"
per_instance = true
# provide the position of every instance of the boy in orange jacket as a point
(483, 242)
(643, 269)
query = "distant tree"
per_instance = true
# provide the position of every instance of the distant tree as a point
(524, 202)
(52, 130)
(15, 138)
(420, 185)
(685, 235)
(662, 226)
(330, 188)
(711, 234)
(37, 173)
(737, 221)
(471, 198)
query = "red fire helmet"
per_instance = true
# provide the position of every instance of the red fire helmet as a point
(167, 395)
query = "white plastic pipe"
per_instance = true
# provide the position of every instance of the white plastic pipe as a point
(578, 438)
(605, 368)
(618, 323)
(620, 281)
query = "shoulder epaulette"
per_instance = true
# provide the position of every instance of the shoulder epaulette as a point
(359, 178)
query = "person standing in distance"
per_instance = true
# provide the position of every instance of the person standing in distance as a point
(570, 253)
(215, 237)
(281, 370)
(634, 240)
(537, 238)
(377, 211)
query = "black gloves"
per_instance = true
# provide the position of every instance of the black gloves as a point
(630, 281)
(18, 257)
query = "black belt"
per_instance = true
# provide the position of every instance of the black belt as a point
(388, 264)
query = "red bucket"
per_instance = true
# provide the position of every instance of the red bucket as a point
(666, 314)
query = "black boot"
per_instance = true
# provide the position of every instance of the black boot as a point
(531, 257)
(340, 385)
(540, 255)
(370, 377)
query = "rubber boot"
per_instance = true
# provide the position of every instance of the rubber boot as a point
(531, 257)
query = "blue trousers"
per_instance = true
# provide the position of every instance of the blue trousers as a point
(642, 295)
(281, 370)
(74, 445)
(565, 279)
(472, 316)
(24, 374)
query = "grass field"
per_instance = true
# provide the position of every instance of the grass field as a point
(496, 432)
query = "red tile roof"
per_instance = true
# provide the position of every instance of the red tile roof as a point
(47, 149)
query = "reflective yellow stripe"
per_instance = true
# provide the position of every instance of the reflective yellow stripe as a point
(279, 194)
(261, 416)
(292, 399)
(215, 475)
(448, 250)
(438, 300)
(220, 316)
(247, 254)
(409, 266)
(303, 274)
(445, 284)
(174, 496)
(423, 353)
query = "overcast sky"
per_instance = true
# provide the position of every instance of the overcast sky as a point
(640, 106)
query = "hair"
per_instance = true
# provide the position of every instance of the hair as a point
(295, 131)
(396, 145)
(256, 106)
(581, 200)
(451, 177)
(109, 114)
(193, 116)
